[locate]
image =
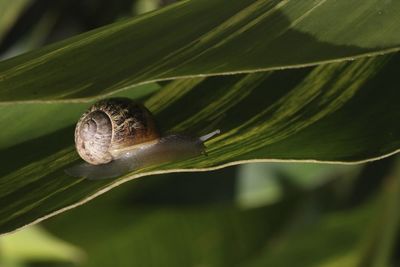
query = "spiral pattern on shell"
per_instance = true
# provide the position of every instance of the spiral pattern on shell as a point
(112, 125)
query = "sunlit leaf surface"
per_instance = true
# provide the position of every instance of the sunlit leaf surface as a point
(208, 37)
(342, 112)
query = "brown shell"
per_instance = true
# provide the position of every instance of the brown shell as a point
(111, 125)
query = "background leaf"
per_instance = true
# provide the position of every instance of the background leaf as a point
(34, 244)
(191, 219)
(9, 12)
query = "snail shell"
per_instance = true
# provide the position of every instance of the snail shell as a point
(111, 127)
(118, 135)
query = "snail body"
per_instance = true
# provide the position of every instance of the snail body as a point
(118, 135)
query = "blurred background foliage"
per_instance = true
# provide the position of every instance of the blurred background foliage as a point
(271, 214)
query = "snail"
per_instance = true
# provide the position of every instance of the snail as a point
(118, 135)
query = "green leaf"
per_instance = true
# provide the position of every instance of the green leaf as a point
(260, 184)
(364, 235)
(34, 244)
(158, 216)
(332, 239)
(200, 38)
(343, 112)
(381, 245)
(9, 13)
